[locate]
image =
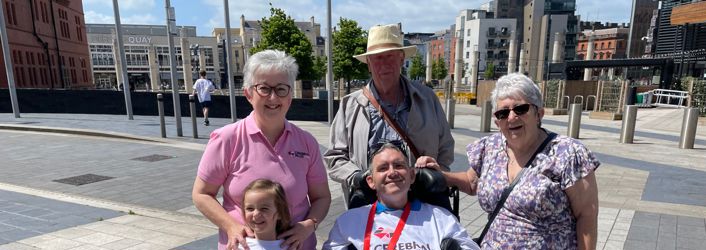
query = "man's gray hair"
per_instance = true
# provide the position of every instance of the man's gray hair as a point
(270, 60)
(517, 86)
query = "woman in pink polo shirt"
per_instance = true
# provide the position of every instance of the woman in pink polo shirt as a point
(264, 145)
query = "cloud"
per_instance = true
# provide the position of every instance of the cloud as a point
(95, 17)
(138, 4)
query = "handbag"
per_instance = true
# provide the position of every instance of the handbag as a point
(508, 190)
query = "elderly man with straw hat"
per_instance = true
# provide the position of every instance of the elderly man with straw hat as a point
(388, 108)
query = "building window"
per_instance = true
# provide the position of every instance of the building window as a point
(609, 44)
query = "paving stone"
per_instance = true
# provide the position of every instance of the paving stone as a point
(209, 242)
(122, 244)
(17, 234)
(691, 232)
(614, 245)
(16, 246)
(98, 239)
(690, 243)
(643, 233)
(690, 221)
(58, 244)
(639, 245)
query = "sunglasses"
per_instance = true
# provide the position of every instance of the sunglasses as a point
(379, 146)
(518, 110)
(281, 90)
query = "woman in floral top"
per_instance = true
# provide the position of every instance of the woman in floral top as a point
(555, 203)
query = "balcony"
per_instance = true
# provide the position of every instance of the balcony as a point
(492, 33)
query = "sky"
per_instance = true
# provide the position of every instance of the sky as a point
(415, 15)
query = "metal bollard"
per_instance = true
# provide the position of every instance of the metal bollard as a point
(192, 110)
(574, 121)
(160, 110)
(627, 133)
(450, 109)
(485, 118)
(688, 128)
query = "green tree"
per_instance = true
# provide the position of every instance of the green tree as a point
(319, 67)
(417, 70)
(349, 40)
(489, 71)
(438, 69)
(281, 33)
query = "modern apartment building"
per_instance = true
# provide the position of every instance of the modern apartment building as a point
(542, 20)
(489, 36)
(48, 44)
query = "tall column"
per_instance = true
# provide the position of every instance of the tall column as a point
(521, 67)
(475, 58)
(512, 54)
(154, 68)
(202, 59)
(429, 62)
(118, 63)
(458, 67)
(589, 56)
(558, 53)
(186, 63)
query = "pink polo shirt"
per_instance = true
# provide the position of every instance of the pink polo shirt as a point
(239, 153)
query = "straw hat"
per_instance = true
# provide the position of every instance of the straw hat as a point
(382, 38)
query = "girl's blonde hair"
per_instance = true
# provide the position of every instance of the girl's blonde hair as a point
(277, 192)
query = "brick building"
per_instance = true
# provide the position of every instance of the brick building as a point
(607, 44)
(48, 44)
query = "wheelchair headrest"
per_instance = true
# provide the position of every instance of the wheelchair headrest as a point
(429, 181)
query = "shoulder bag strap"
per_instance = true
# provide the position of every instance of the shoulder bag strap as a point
(390, 122)
(509, 189)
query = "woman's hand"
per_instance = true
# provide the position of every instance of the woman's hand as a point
(236, 236)
(427, 162)
(295, 236)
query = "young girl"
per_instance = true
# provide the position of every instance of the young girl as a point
(265, 212)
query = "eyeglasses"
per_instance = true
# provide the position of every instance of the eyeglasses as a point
(518, 110)
(379, 146)
(281, 90)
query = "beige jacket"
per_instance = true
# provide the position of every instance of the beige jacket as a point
(426, 127)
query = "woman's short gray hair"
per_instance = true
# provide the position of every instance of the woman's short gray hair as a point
(516, 85)
(270, 60)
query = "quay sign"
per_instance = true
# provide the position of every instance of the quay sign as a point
(139, 39)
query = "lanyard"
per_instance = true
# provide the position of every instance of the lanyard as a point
(395, 235)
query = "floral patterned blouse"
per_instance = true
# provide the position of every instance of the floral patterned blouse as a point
(537, 214)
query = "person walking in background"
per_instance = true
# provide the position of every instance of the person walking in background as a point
(361, 123)
(266, 214)
(552, 195)
(264, 145)
(204, 87)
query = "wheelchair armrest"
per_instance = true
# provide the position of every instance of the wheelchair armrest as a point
(429, 181)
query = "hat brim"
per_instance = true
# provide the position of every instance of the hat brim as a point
(409, 51)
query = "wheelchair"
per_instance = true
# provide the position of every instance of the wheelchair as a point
(429, 187)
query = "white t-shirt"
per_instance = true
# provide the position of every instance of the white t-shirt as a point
(426, 227)
(256, 244)
(203, 88)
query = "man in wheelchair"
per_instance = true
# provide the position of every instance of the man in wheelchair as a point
(396, 220)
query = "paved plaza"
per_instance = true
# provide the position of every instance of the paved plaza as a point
(73, 181)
